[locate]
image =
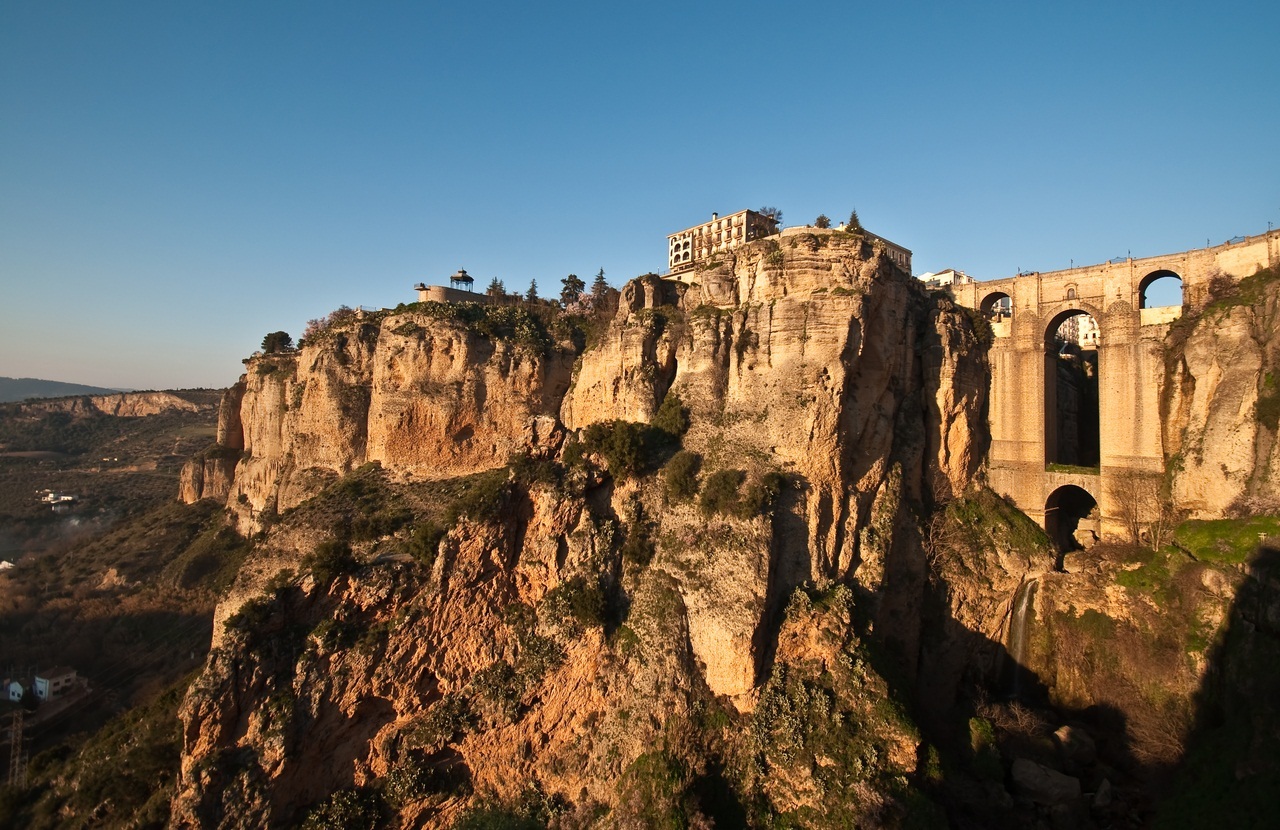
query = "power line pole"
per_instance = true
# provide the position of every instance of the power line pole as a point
(17, 758)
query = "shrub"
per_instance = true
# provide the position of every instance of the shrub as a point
(672, 417)
(680, 478)
(720, 492)
(576, 604)
(449, 717)
(620, 443)
(346, 810)
(482, 499)
(410, 781)
(760, 496)
(338, 317)
(331, 558)
(822, 221)
(638, 549)
(252, 615)
(499, 687)
(424, 542)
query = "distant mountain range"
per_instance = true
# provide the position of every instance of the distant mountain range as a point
(20, 389)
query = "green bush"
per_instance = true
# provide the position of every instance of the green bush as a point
(720, 492)
(331, 558)
(449, 717)
(424, 542)
(252, 615)
(672, 417)
(680, 477)
(638, 549)
(482, 499)
(760, 496)
(576, 603)
(346, 810)
(500, 687)
(622, 444)
(520, 324)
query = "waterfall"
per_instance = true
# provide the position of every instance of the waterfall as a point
(1023, 601)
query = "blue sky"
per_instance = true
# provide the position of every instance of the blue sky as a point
(178, 179)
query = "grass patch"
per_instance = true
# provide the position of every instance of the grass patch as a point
(1073, 469)
(1225, 541)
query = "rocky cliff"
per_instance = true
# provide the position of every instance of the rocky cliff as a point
(1221, 401)
(122, 405)
(609, 626)
(422, 394)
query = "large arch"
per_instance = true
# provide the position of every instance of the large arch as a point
(1071, 518)
(1160, 288)
(1072, 427)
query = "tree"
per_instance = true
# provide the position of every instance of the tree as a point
(599, 288)
(854, 224)
(276, 342)
(822, 221)
(573, 288)
(1144, 508)
(496, 288)
(531, 296)
(771, 213)
(341, 315)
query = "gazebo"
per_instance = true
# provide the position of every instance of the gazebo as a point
(461, 280)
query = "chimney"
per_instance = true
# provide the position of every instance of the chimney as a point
(715, 216)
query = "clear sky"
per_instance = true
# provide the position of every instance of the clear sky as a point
(179, 178)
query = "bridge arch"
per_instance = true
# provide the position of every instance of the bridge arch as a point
(1059, 314)
(1160, 288)
(1072, 371)
(1071, 518)
(997, 306)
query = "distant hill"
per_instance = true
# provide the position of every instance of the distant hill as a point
(20, 389)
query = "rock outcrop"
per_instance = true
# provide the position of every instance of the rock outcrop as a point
(580, 626)
(123, 405)
(425, 397)
(1221, 402)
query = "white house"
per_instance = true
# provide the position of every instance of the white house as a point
(13, 690)
(51, 684)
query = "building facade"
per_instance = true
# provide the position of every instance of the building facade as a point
(945, 280)
(688, 247)
(54, 683)
(900, 255)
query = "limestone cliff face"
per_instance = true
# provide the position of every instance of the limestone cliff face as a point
(427, 398)
(593, 633)
(810, 355)
(1221, 399)
(123, 405)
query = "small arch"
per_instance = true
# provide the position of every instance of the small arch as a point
(1071, 519)
(997, 306)
(1160, 289)
(1071, 291)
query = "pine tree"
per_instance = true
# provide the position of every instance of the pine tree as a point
(573, 288)
(531, 296)
(496, 288)
(854, 224)
(599, 287)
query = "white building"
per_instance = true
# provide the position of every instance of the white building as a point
(945, 279)
(688, 247)
(54, 683)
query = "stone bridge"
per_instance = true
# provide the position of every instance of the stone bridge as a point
(1096, 493)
